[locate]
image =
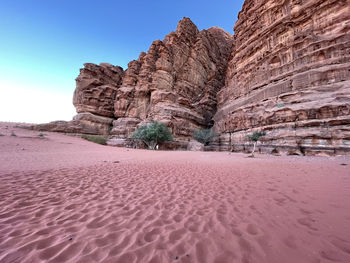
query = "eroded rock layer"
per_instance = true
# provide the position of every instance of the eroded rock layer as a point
(82, 123)
(175, 82)
(96, 88)
(94, 96)
(288, 74)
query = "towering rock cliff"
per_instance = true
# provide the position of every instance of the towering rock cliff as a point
(289, 74)
(286, 71)
(175, 82)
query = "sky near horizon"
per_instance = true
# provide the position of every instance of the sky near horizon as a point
(43, 44)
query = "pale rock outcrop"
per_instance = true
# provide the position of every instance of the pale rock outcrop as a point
(289, 74)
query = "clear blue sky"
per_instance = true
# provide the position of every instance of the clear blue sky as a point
(43, 43)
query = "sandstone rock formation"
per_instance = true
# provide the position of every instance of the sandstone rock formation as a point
(94, 96)
(175, 82)
(195, 146)
(288, 74)
(287, 71)
(85, 123)
(96, 88)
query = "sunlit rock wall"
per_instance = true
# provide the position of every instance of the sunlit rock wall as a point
(288, 74)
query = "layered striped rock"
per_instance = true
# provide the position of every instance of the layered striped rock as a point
(289, 74)
(96, 88)
(175, 82)
(82, 123)
(94, 96)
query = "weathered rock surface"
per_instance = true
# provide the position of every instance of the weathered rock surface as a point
(195, 146)
(94, 96)
(289, 74)
(84, 123)
(128, 143)
(96, 88)
(173, 146)
(124, 127)
(287, 71)
(176, 81)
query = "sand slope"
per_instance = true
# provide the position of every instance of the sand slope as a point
(63, 199)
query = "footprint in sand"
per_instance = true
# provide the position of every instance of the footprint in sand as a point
(290, 242)
(177, 218)
(236, 231)
(252, 229)
(308, 222)
(305, 211)
(152, 235)
(200, 213)
(280, 201)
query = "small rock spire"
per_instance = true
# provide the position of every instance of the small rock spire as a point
(187, 27)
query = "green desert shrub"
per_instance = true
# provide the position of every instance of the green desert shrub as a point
(255, 138)
(153, 134)
(95, 139)
(204, 135)
(13, 134)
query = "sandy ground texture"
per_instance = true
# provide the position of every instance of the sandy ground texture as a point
(63, 199)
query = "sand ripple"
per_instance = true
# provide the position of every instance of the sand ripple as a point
(189, 212)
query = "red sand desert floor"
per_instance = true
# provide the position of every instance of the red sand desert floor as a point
(63, 199)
